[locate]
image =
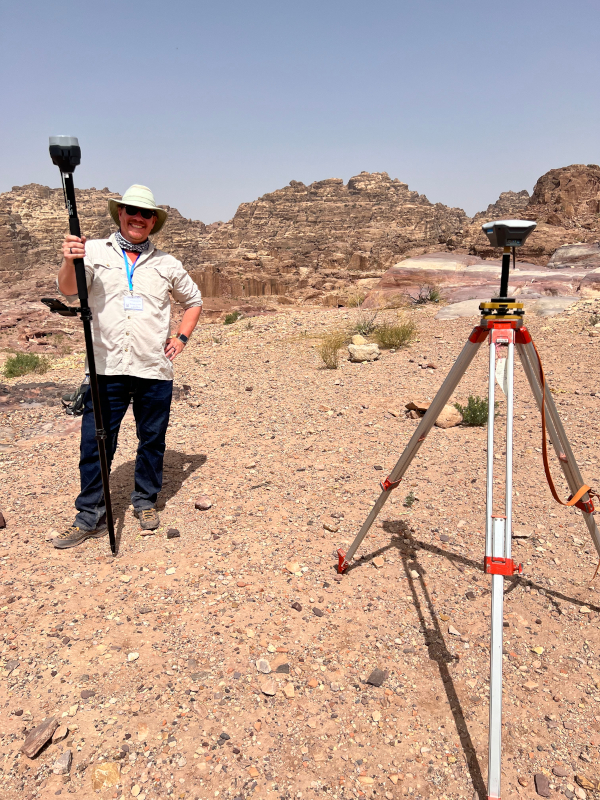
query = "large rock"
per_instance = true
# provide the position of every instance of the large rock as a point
(463, 277)
(363, 352)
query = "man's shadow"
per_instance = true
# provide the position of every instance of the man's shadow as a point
(178, 467)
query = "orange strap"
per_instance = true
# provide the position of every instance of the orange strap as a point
(583, 489)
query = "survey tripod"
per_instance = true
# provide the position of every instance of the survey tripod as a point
(501, 325)
(66, 155)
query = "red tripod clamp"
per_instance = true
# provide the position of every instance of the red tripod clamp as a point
(493, 565)
(584, 505)
(387, 485)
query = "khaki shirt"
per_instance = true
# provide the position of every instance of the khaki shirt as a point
(128, 342)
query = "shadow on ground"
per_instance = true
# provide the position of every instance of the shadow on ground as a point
(178, 467)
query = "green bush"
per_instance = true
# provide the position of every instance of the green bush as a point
(410, 499)
(395, 334)
(365, 324)
(233, 317)
(475, 412)
(24, 363)
(429, 293)
(330, 346)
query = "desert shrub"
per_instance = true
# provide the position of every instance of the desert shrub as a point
(395, 334)
(330, 346)
(430, 293)
(24, 363)
(364, 324)
(231, 318)
(475, 412)
(354, 300)
(410, 499)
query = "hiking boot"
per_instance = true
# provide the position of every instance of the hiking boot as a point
(148, 518)
(74, 536)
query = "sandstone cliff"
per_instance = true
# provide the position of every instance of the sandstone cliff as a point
(317, 241)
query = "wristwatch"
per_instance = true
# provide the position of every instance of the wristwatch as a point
(183, 337)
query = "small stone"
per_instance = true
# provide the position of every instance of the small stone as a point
(136, 789)
(312, 683)
(257, 726)
(283, 669)
(269, 687)
(542, 785)
(449, 417)
(414, 574)
(62, 765)
(559, 771)
(585, 610)
(170, 571)
(538, 650)
(378, 562)
(453, 632)
(569, 726)
(2, 520)
(143, 732)
(60, 733)
(359, 353)
(73, 710)
(253, 772)
(330, 527)
(377, 677)
(376, 716)
(358, 339)
(531, 686)
(39, 736)
(470, 595)
(523, 781)
(250, 465)
(366, 780)
(173, 533)
(580, 793)
(87, 693)
(105, 775)
(262, 665)
(296, 606)
(250, 633)
(203, 503)
(318, 612)
(288, 690)
(133, 656)
(125, 578)
(292, 567)
(249, 388)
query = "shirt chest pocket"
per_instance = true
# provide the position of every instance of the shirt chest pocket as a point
(108, 280)
(150, 282)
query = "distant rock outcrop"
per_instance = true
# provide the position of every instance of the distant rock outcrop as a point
(313, 242)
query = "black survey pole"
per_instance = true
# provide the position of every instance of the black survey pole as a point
(505, 270)
(66, 154)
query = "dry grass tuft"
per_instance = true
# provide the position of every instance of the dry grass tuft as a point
(330, 346)
(395, 334)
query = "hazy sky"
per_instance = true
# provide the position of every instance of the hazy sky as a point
(214, 103)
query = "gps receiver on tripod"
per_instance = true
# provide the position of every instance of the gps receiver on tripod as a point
(66, 155)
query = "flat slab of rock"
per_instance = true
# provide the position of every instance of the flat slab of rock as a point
(542, 785)
(377, 677)
(464, 278)
(38, 737)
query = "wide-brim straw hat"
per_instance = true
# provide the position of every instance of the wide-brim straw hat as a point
(140, 197)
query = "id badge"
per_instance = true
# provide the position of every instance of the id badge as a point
(133, 303)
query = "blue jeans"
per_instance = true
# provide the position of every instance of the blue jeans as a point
(151, 408)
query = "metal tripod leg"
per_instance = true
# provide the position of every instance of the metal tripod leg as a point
(558, 436)
(498, 561)
(461, 365)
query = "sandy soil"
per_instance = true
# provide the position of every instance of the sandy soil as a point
(150, 658)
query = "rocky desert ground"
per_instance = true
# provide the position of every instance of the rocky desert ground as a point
(223, 656)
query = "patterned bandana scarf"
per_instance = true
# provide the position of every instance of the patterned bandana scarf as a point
(131, 248)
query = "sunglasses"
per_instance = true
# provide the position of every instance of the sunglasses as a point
(132, 211)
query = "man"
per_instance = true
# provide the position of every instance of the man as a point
(129, 282)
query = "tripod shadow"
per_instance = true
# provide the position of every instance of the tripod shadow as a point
(177, 468)
(433, 639)
(432, 633)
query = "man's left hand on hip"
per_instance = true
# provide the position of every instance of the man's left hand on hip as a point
(173, 348)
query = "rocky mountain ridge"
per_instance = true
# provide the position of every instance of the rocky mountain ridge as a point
(312, 242)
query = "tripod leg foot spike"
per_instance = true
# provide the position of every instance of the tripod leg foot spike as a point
(342, 563)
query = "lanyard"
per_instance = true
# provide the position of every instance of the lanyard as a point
(128, 271)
